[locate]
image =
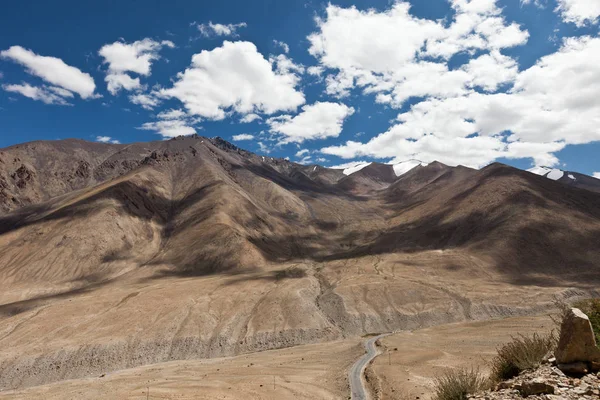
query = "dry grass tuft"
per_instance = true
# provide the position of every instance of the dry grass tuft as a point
(458, 384)
(522, 353)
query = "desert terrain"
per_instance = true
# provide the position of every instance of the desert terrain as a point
(193, 253)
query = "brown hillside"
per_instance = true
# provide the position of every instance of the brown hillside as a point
(194, 248)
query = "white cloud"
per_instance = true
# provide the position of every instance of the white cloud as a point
(317, 121)
(263, 148)
(460, 116)
(132, 57)
(284, 65)
(397, 55)
(284, 46)
(172, 114)
(53, 70)
(596, 175)
(305, 160)
(107, 139)
(60, 91)
(146, 101)
(234, 77)
(552, 104)
(315, 70)
(243, 136)
(302, 152)
(169, 128)
(248, 118)
(116, 82)
(579, 12)
(136, 57)
(44, 94)
(211, 29)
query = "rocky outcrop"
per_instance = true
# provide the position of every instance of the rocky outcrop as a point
(548, 383)
(577, 352)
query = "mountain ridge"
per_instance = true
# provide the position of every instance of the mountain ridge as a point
(24, 166)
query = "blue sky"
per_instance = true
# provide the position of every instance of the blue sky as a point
(462, 82)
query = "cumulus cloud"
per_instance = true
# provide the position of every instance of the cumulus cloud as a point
(552, 104)
(170, 123)
(596, 175)
(107, 139)
(397, 55)
(132, 57)
(316, 121)
(579, 12)
(116, 82)
(169, 128)
(211, 29)
(136, 57)
(248, 118)
(52, 70)
(284, 46)
(234, 77)
(171, 114)
(243, 136)
(465, 115)
(305, 160)
(315, 70)
(302, 152)
(263, 148)
(146, 101)
(45, 94)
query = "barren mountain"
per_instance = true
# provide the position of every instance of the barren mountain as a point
(115, 256)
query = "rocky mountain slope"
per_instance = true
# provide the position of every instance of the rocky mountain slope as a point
(113, 256)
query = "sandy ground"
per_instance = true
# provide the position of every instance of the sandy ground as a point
(405, 369)
(303, 372)
(411, 360)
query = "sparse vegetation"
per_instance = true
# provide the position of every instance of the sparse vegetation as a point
(591, 308)
(522, 353)
(458, 384)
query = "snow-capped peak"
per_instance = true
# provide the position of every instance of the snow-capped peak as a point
(550, 173)
(356, 168)
(403, 167)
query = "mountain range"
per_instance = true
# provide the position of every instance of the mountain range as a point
(113, 256)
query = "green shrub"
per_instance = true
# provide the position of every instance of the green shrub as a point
(522, 353)
(457, 384)
(592, 309)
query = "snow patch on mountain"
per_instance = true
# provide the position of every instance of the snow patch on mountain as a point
(403, 167)
(550, 173)
(555, 174)
(356, 168)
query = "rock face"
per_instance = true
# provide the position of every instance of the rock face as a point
(545, 383)
(577, 343)
(533, 387)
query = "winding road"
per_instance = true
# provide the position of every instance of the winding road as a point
(356, 373)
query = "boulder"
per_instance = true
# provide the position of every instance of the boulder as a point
(577, 342)
(534, 387)
(576, 368)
